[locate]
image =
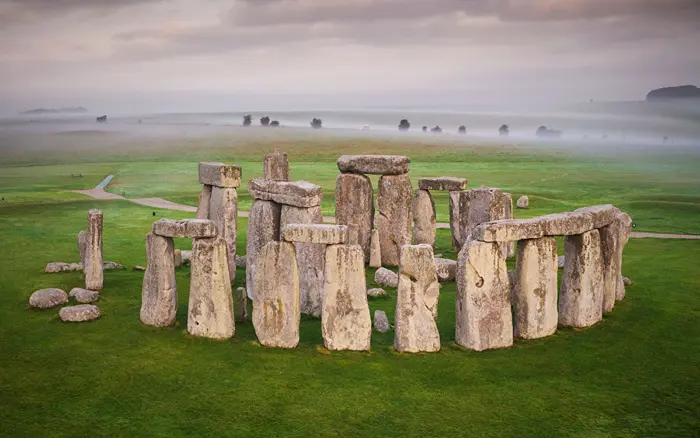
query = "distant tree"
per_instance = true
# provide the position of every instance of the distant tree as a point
(404, 125)
(247, 120)
(504, 130)
(541, 131)
(317, 123)
(425, 129)
(436, 130)
(274, 123)
(265, 121)
(462, 130)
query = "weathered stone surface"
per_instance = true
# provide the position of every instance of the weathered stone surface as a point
(159, 291)
(263, 227)
(581, 296)
(612, 240)
(210, 309)
(354, 207)
(534, 289)
(315, 233)
(139, 268)
(416, 305)
(376, 292)
(442, 183)
(561, 261)
(185, 228)
(177, 258)
(387, 278)
(109, 266)
(81, 313)
(601, 215)
(509, 230)
(241, 305)
(276, 312)
(297, 194)
(276, 166)
(478, 206)
(310, 259)
(92, 267)
(83, 242)
(54, 267)
(224, 212)
(346, 322)
(565, 224)
(446, 269)
(203, 204)
(423, 218)
(523, 202)
(375, 254)
(483, 315)
(374, 164)
(84, 296)
(241, 261)
(48, 298)
(394, 217)
(456, 224)
(381, 322)
(219, 175)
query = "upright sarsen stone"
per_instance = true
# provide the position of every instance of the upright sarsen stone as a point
(483, 315)
(83, 242)
(375, 250)
(263, 227)
(478, 206)
(456, 224)
(276, 166)
(535, 288)
(92, 266)
(224, 213)
(354, 207)
(159, 292)
(346, 322)
(423, 218)
(394, 218)
(276, 312)
(581, 296)
(204, 199)
(416, 305)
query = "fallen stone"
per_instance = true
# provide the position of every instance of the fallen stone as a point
(483, 315)
(374, 164)
(263, 227)
(276, 313)
(81, 313)
(626, 281)
(111, 266)
(375, 255)
(345, 321)
(381, 322)
(93, 264)
(561, 261)
(442, 183)
(48, 298)
(416, 305)
(376, 292)
(223, 210)
(581, 296)
(210, 309)
(159, 290)
(446, 269)
(423, 218)
(241, 305)
(139, 268)
(219, 175)
(298, 194)
(204, 201)
(185, 228)
(276, 166)
(55, 267)
(534, 289)
(523, 202)
(315, 233)
(354, 207)
(84, 296)
(241, 261)
(394, 218)
(387, 278)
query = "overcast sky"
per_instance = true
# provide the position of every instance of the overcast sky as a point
(314, 52)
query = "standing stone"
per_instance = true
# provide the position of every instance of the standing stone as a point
(423, 218)
(210, 310)
(483, 315)
(240, 307)
(455, 222)
(354, 206)
(224, 212)
(346, 322)
(381, 322)
(276, 166)
(375, 253)
(612, 240)
(93, 255)
(535, 288)
(204, 200)
(159, 292)
(523, 202)
(393, 221)
(276, 313)
(83, 242)
(509, 246)
(263, 227)
(581, 296)
(310, 259)
(478, 206)
(416, 305)
(624, 238)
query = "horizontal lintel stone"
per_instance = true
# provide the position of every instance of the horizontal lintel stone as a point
(219, 175)
(297, 194)
(186, 228)
(445, 183)
(315, 233)
(374, 164)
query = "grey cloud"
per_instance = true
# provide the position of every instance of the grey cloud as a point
(18, 12)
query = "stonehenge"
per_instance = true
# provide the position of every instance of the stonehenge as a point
(424, 208)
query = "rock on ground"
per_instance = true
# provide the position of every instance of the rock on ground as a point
(81, 313)
(381, 322)
(626, 281)
(423, 218)
(276, 166)
(376, 292)
(354, 207)
(394, 218)
(523, 202)
(374, 164)
(385, 277)
(446, 269)
(84, 296)
(561, 261)
(159, 290)
(581, 296)
(241, 261)
(263, 227)
(219, 175)
(48, 298)
(55, 267)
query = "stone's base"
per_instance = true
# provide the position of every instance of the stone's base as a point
(581, 296)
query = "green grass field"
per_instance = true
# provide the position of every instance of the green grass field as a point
(634, 374)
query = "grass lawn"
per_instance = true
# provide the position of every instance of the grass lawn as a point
(634, 374)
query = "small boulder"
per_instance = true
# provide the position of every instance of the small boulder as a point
(381, 322)
(240, 261)
(523, 202)
(84, 296)
(81, 313)
(376, 292)
(54, 267)
(111, 266)
(385, 277)
(48, 298)
(626, 281)
(560, 262)
(139, 268)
